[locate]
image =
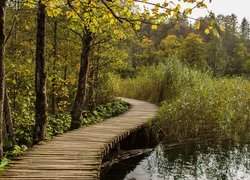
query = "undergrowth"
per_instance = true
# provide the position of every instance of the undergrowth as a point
(58, 124)
(103, 112)
(61, 122)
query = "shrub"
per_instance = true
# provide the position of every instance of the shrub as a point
(57, 124)
(104, 111)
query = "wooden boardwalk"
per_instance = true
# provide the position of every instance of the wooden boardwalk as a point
(78, 154)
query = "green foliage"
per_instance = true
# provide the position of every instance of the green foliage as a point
(193, 103)
(4, 162)
(238, 62)
(156, 84)
(192, 51)
(147, 85)
(105, 89)
(16, 151)
(215, 108)
(60, 123)
(169, 46)
(102, 112)
(24, 128)
(57, 124)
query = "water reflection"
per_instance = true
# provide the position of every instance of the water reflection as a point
(199, 162)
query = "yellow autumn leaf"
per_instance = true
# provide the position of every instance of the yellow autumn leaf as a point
(168, 11)
(207, 31)
(178, 7)
(197, 25)
(154, 27)
(188, 11)
(137, 27)
(221, 28)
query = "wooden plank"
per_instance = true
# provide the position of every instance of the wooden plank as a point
(78, 154)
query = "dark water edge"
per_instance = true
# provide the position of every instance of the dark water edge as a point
(192, 161)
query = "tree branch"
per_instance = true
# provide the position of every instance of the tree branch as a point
(72, 7)
(77, 33)
(13, 25)
(112, 12)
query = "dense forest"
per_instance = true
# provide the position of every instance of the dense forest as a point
(63, 63)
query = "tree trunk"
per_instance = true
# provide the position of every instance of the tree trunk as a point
(40, 78)
(96, 79)
(79, 99)
(2, 69)
(54, 99)
(91, 79)
(14, 93)
(9, 129)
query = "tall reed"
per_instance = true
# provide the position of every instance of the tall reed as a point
(193, 103)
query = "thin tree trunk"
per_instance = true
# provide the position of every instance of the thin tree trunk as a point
(79, 99)
(54, 103)
(10, 134)
(91, 79)
(96, 77)
(14, 93)
(2, 69)
(40, 78)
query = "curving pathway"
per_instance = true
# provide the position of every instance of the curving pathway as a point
(78, 154)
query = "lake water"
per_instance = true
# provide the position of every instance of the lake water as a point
(187, 162)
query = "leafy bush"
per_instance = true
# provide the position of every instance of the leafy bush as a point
(104, 111)
(193, 103)
(60, 123)
(104, 92)
(4, 162)
(24, 125)
(57, 124)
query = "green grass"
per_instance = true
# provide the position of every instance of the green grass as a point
(193, 103)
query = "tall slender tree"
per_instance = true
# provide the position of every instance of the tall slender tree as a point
(245, 29)
(40, 78)
(79, 99)
(8, 123)
(55, 49)
(2, 69)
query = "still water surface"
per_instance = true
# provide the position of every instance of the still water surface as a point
(198, 162)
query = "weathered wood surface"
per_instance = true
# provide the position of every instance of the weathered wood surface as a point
(78, 154)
